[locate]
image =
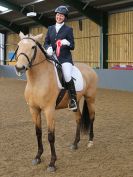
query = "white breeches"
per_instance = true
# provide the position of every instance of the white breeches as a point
(67, 71)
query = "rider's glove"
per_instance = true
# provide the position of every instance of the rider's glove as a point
(65, 42)
(49, 51)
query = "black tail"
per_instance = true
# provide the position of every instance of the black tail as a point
(85, 118)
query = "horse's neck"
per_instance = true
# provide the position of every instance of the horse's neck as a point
(41, 70)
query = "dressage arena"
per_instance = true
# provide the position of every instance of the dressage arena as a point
(111, 155)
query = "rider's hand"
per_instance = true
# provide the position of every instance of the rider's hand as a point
(65, 42)
(49, 51)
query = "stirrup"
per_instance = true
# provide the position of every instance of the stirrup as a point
(73, 108)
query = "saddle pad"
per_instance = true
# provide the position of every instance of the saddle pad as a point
(77, 77)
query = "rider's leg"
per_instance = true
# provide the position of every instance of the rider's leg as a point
(67, 72)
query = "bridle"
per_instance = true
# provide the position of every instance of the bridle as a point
(30, 61)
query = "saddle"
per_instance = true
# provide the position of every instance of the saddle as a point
(61, 79)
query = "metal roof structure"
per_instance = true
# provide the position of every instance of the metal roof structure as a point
(15, 18)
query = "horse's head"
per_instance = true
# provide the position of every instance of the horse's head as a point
(26, 52)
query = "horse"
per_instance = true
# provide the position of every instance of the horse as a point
(42, 90)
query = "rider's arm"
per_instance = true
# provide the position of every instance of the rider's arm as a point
(70, 38)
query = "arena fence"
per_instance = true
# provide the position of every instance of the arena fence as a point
(108, 79)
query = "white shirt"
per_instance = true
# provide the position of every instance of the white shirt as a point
(58, 26)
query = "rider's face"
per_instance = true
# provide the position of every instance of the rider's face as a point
(59, 18)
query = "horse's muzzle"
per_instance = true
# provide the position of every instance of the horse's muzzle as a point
(20, 71)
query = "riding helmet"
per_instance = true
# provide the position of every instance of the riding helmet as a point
(62, 10)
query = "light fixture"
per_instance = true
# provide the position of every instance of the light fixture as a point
(3, 8)
(32, 13)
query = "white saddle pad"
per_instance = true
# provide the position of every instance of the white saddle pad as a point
(77, 77)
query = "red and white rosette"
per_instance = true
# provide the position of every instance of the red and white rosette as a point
(58, 43)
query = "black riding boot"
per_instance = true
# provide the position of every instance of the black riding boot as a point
(72, 94)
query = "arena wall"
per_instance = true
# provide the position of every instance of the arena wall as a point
(107, 78)
(120, 38)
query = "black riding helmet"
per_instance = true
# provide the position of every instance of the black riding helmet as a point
(62, 10)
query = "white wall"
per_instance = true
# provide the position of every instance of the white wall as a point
(115, 79)
(1, 48)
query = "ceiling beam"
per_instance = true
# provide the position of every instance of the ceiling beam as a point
(33, 2)
(13, 27)
(114, 3)
(19, 19)
(44, 21)
(90, 12)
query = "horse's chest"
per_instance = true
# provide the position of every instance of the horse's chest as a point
(33, 97)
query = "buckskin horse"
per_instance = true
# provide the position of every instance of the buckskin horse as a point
(42, 90)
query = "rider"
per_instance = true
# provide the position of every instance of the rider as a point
(60, 35)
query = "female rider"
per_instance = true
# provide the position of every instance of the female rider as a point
(63, 35)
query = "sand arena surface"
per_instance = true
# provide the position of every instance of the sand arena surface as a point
(111, 155)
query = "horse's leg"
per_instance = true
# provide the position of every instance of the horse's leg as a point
(49, 113)
(91, 108)
(36, 117)
(77, 135)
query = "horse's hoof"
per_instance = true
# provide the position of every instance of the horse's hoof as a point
(36, 161)
(73, 147)
(90, 144)
(51, 169)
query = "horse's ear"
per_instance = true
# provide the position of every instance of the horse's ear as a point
(21, 35)
(31, 36)
(38, 37)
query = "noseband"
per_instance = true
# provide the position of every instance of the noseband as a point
(30, 61)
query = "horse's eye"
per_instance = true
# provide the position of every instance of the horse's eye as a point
(33, 47)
